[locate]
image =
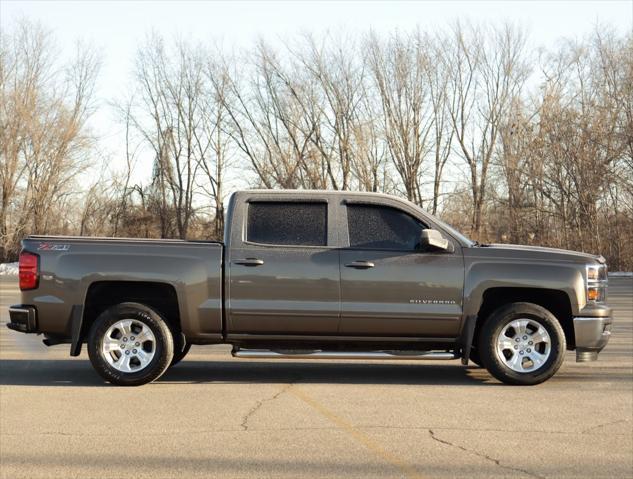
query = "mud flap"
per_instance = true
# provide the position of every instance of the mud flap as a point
(466, 339)
(76, 321)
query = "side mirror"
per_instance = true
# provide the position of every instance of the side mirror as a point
(432, 240)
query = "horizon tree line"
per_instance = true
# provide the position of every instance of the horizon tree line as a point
(506, 143)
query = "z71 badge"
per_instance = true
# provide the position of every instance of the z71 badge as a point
(53, 247)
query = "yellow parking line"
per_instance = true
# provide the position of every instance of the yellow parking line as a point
(365, 440)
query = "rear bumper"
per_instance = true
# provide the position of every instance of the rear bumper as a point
(592, 335)
(22, 318)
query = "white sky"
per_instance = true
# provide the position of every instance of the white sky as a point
(116, 27)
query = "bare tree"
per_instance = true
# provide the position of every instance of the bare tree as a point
(260, 119)
(515, 157)
(583, 135)
(121, 183)
(170, 117)
(44, 142)
(214, 143)
(369, 165)
(442, 140)
(335, 103)
(487, 70)
(399, 67)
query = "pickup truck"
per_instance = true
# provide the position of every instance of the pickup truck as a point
(315, 275)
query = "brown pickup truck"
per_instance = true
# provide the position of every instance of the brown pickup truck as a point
(315, 274)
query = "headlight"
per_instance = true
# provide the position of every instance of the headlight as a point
(596, 283)
(596, 272)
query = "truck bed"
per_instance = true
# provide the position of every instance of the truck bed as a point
(76, 269)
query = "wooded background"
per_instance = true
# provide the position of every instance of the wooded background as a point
(506, 143)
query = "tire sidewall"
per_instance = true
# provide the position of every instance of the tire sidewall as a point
(495, 324)
(152, 319)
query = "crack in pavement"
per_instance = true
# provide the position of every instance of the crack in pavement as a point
(484, 456)
(259, 404)
(394, 460)
(587, 431)
(470, 429)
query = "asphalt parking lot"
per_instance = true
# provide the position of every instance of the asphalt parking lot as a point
(214, 416)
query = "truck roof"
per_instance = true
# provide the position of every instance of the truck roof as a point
(304, 193)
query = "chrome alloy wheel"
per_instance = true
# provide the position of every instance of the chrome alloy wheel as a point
(128, 345)
(523, 345)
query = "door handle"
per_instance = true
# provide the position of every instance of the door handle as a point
(249, 262)
(361, 264)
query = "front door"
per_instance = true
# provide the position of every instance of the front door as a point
(391, 288)
(284, 274)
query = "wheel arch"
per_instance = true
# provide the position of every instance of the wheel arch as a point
(102, 295)
(555, 301)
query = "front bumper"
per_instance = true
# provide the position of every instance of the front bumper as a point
(592, 335)
(22, 318)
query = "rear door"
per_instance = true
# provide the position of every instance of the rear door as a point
(391, 288)
(284, 268)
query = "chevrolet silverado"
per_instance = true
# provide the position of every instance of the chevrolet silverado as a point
(315, 274)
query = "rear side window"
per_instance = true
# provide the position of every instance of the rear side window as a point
(382, 227)
(287, 223)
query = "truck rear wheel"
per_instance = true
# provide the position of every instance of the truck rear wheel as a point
(522, 343)
(130, 344)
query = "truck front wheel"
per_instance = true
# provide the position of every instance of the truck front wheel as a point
(522, 343)
(130, 344)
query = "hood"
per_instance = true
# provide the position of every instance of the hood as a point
(540, 251)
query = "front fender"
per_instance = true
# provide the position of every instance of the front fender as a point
(481, 276)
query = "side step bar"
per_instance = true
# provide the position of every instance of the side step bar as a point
(302, 354)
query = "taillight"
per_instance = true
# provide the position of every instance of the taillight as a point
(29, 270)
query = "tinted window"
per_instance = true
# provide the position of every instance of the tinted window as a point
(287, 223)
(382, 227)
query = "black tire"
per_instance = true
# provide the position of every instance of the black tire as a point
(493, 328)
(180, 353)
(162, 345)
